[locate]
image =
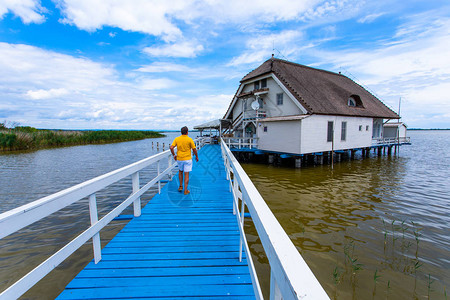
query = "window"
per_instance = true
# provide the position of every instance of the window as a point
(263, 83)
(351, 102)
(256, 85)
(360, 127)
(355, 101)
(330, 131)
(245, 104)
(367, 127)
(343, 131)
(280, 99)
(265, 128)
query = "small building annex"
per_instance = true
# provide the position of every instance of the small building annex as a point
(292, 108)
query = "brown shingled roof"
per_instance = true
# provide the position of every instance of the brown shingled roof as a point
(323, 92)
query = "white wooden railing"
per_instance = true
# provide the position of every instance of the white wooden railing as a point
(391, 141)
(239, 143)
(18, 218)
(290, 278)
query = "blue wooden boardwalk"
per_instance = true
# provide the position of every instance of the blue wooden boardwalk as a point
(181, 247)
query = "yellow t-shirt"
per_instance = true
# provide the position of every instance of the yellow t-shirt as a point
(184, 145)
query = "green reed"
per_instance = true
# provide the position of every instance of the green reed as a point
(29, 138)
(430, 282)
(375, 280)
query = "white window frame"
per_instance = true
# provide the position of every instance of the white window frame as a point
(280, 97)
(344, 131)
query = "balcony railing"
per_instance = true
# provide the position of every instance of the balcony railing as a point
(391, 141)
(290, 276)
(239, 143)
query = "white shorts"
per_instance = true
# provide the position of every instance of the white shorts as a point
(185, 165)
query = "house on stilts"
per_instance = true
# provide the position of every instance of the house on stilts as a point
(294, 110)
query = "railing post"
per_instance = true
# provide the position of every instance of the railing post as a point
(275, 293)
(227, 166)
(242, 223)
(169, 162)
(159, 181)
(235, 201)
(94, 219)
(136, 187)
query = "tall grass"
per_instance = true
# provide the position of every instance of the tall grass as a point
(29, 138)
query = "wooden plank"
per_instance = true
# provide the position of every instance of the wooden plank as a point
(159, 281)
(174, 291)
(192, 248)
(180, 247)
(170, 256)
(163, 272)
(212, 227)
(166, 263)
(178, 233)
(176, 243)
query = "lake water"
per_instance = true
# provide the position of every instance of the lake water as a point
(368, 228)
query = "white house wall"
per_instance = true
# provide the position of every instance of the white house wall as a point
(281, 136)
(269, 101)
(390, 132)
(314, 133)
(402, 131)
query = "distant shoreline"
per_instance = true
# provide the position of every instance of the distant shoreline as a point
(29, 138)
(428, 128)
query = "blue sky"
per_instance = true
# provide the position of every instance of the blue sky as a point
(138, 64)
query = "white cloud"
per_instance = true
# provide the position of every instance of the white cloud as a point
(166, 18)
(370, 18)
(151, 17)
(332, 9)
(261, 47)
(182, 49)
(156, 83)
(414, 65)
(43, 88)
(160, 67)
(39, 69)
(30, 11)
(47, 94)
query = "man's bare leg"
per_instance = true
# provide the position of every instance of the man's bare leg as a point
(180, 177)
(186, 182)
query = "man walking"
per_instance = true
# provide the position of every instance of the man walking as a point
(184, 145)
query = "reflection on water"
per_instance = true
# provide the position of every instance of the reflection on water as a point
(372, 228)
(28, 176)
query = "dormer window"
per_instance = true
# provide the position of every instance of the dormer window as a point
(351, 101)
(354, 101)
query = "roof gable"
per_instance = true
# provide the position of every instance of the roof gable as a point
(323, 92)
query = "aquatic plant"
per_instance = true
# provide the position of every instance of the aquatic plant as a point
(375, 280)
(388, 288)
(26, 138)
(385, 234)
(337, 273)
(417, 236)
(349, 251)
(430, 282)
